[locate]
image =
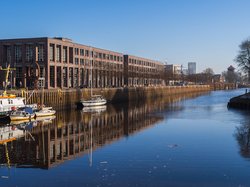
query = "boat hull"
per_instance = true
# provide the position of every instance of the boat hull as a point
(94, 109)
(20, 118)
(94, 103)
(43, 113)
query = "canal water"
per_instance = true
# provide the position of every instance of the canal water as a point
(191, 140)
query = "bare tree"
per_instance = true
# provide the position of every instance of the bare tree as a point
(230, 77)
(208, 74)
(208, 71)
(243, 58)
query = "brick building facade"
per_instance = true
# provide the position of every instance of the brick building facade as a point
(65, 64)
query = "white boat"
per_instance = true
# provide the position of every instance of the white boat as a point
(95, 100)
(10, 102)
(21, 115)
(45, 111)
(94, 109)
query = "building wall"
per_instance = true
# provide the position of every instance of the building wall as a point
(22, 54)
(65, 64)
(143, 72)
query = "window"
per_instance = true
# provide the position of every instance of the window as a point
(82, 52)
(75, 77)
(86, 52)
(41, 52)
(76, 60)
(51, 52)
(58, 53)
(42, 72)
(29, 53)
(8, 53)
(19, 72)
(64, 54)
(65, 72)
(81, 76)
(52, 76)
(76, 51)
(18, 53)
(82, 61)
(100, 55)
(71, 77)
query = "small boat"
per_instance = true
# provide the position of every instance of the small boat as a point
(10, 102)
(21, 115)
(94, 109)
(19, 122)
(45, 118)
(42, 110)
(45, 111)
(95, 100)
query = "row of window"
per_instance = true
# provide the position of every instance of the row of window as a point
(29, 53)
(87, 62)
(142, 70)
(56, 52)
(141, 62)
(79, 52)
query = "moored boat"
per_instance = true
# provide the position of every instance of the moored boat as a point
(95, 100)
(45, 111)
(21, 115)
(94, 109)
(10, 102)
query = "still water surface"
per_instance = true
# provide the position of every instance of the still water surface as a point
(182, 141)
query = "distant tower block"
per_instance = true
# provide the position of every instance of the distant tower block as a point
(191, 68)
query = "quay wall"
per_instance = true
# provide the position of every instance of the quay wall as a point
(223, 86)
(62, 99)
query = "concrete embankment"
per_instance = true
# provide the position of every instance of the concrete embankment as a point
(241, 102)
(68, 98)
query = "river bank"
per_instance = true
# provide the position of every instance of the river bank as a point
(68, 98)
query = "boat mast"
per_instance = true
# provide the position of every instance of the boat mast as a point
(41, 80)
(91, 142)
(91, 69)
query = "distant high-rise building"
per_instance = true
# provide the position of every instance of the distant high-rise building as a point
(191, 68)
(173, 69)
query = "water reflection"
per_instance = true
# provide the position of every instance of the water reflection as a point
(47, 142)
(242, 135)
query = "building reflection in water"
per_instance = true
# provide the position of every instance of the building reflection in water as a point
(48, 142)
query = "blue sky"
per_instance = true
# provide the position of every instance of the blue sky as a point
(177, 31)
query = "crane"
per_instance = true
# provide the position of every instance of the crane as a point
(8, 69)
